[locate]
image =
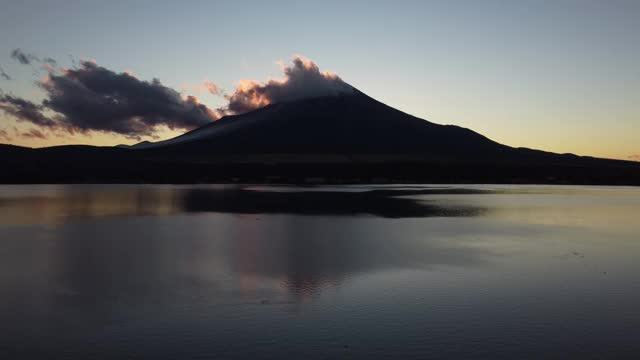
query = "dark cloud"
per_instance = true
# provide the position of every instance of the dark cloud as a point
(34, 134)
(93, 98)
(50, 61)
(4, 75)
(25, 110)
(23, 58)
(302, 79)
(48, 64)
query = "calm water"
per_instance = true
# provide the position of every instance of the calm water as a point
(224, 272)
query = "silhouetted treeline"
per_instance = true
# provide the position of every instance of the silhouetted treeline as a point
(86, 164)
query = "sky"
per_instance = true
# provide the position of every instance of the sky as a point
(561, 76)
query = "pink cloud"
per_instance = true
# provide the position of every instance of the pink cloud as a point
(212, 88)
(34, 134)
(302, 79)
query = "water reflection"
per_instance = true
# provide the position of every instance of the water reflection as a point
(305, 253)
(182, 272)
(230, 256)
(389, 204)
(65, 203)
(218, 245)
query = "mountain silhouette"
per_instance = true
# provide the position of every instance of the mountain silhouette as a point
(342, 124)
(340, 138)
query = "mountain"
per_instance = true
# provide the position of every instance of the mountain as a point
(343, 124)
(341, 138)
(339, 127)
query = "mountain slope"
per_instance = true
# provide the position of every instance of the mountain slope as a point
(347, 124)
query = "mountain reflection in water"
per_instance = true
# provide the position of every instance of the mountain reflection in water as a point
(389, 204)
(63, 203)
(115, 241)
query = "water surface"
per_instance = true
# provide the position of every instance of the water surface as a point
(254, 272)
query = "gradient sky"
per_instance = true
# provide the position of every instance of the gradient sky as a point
(561, 76)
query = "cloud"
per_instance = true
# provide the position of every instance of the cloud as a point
(4, 135)
(4, 75)
(635, 157)
(212, 88)
(50, 61)
(34, 134)
(88, 98)
(302, 79)
(93, 98)
(25, 110)
(204, 87)
(48, 64)
(23, 58)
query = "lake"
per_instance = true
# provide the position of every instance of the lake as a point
(324, 272)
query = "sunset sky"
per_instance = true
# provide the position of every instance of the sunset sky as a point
(561, 76)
